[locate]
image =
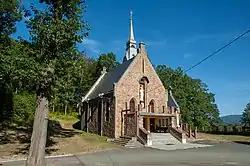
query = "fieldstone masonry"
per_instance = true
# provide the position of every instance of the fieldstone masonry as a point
(131, 87)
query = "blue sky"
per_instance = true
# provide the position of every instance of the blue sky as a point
(178, 33)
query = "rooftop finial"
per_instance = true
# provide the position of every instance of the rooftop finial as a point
(131, 14)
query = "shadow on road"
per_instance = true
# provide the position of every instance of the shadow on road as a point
(242, 142)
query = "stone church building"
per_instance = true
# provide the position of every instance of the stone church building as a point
(130, 100)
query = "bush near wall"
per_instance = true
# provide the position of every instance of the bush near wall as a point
(24, 106)
(228, 130)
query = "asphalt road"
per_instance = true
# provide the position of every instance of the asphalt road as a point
(222, 154)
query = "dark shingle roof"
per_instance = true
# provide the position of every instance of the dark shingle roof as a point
(171, 100)
(111, 77)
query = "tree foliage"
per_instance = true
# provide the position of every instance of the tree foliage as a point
(246, 115)
(54, 32)
(10, 13)
(105, 60)
(198, 107)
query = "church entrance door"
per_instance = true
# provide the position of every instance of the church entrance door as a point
(152, 124)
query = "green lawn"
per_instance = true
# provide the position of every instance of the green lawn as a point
(219, 137)
(71, 117)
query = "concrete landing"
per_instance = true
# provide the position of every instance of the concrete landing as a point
(178, 146)
(165, 141)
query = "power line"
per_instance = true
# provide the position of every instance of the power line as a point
(243, 34)
(234, 40)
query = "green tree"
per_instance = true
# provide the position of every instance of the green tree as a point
(54, 33)
(10, 13)
(198, 107)
(13, 71)
(246, 115)
(105, 60)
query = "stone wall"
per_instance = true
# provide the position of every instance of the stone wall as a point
(109, 126)
(98, 123)
(128, 87)
(93, 117)
(130, 124)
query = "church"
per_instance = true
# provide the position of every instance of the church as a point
(130, 100)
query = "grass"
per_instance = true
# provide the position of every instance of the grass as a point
(220, 137)
(97, 140)
(92, 140)
(71, 117)
(93, 137)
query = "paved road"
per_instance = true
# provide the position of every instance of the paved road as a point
(222, 154)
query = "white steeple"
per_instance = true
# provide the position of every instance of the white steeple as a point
(131, 49)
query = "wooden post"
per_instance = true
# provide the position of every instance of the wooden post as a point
(88, 117)
(101, 117)
(83, 119)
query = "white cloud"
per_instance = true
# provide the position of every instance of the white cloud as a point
(217, 37)
(188, 55)
(92, 45)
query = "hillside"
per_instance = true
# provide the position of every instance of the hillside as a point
(231, 119)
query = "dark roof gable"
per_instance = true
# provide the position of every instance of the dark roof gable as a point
(106, 83)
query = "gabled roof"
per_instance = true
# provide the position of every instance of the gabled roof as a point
(171, 100)
(106, 81)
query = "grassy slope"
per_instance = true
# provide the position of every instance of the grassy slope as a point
(219, 137)
(63, 139)
(91, 140)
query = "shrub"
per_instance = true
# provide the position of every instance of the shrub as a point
(24, 108)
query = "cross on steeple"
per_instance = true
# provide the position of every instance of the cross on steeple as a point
(131, 13)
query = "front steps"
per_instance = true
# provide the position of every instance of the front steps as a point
(158, 139)
(164, 139)
(127, 142)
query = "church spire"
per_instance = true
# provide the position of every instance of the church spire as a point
(131, 50)
(131, 31)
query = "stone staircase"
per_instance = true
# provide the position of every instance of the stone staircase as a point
(128, 142)
(164, 139)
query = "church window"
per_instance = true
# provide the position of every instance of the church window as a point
(151, 106)
(142, 95)
(142, 91)
(143, 66)
(107, 113)
(132, 105)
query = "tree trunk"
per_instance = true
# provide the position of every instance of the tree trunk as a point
(53, 108)
(65, 109)
(36, 155)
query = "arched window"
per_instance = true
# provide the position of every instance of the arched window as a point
(142, 91)
(132, 105)
(151, 106)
